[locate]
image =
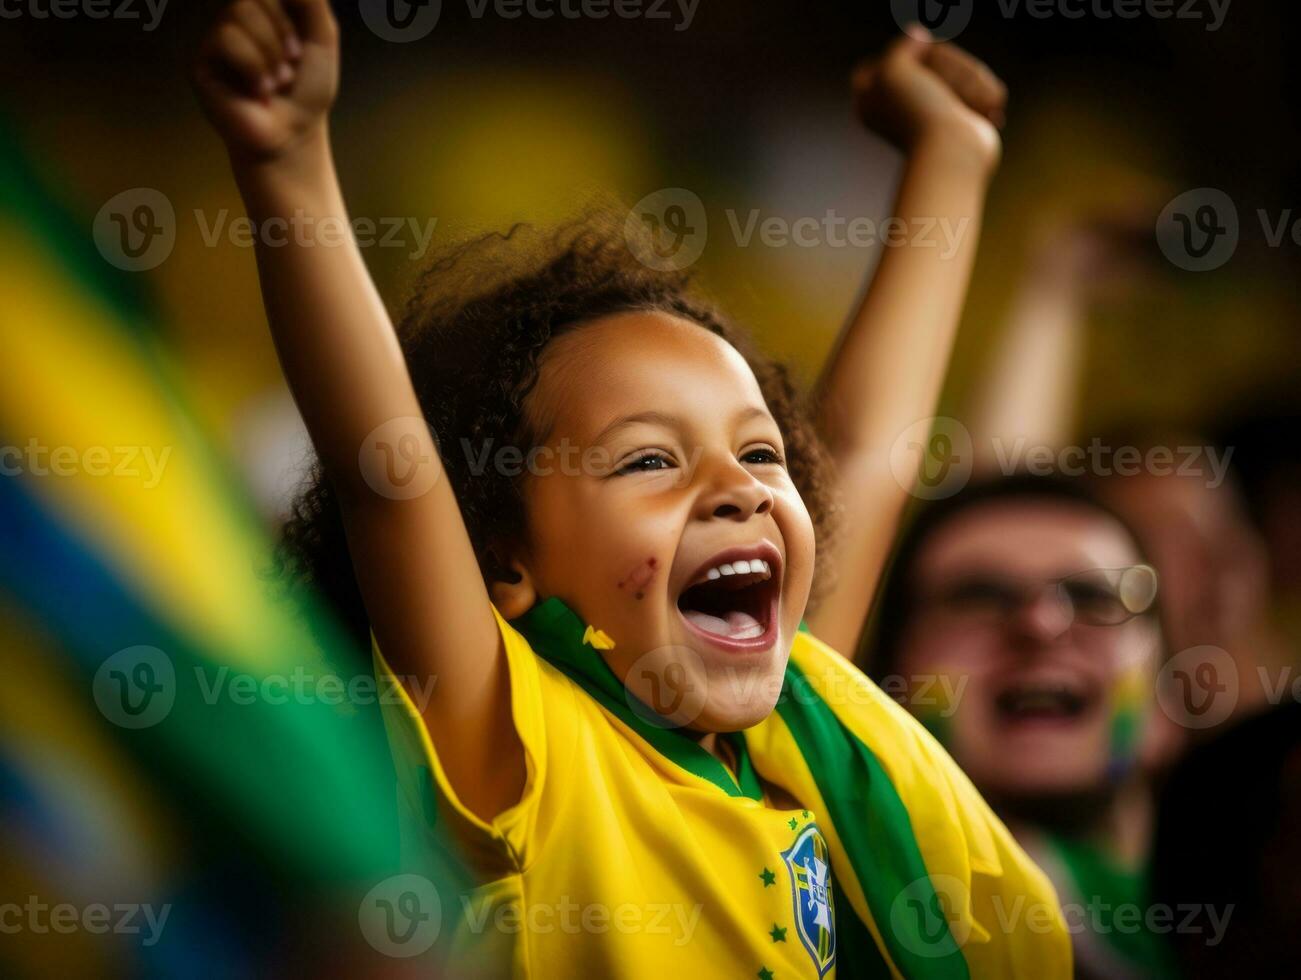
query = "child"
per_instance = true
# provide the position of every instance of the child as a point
(646, 763)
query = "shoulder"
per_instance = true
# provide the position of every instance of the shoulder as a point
(548, 715)
(963, 843)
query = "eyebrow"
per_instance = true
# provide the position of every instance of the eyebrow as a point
(669, 421)
(646, 418)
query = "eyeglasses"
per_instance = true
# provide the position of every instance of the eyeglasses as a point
(1094, 597)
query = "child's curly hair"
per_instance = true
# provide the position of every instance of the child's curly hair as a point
(473, 329)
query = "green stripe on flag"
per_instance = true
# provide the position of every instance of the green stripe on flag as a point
(876, 832)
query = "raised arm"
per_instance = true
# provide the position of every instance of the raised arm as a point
(940, 107)
(1029, 393)
(267, 75)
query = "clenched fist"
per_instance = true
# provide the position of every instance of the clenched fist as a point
(267, 73)
(922, 90)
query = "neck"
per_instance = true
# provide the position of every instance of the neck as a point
(711, 743)
(1118, 822)
(1126, 832)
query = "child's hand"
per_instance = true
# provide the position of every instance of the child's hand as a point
(924, 91)
(267, 73)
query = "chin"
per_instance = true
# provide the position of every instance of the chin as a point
(754, 701)
(1046, 778)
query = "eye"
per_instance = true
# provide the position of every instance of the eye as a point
(975, 594)
(647, 462)
(762, 455)
(1095, 601)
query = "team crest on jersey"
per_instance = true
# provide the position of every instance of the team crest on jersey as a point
(815, 914)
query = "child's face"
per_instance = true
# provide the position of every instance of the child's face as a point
(1035, 694)
(664, 464)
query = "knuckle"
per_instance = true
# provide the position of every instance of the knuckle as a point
(229, 37)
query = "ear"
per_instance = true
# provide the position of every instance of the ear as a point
(513, 592)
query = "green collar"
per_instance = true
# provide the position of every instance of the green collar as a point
(556, 634)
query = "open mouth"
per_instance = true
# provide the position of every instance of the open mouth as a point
(1042, 701)
(732, 601)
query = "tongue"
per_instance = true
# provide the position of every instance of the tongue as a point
(737, 626)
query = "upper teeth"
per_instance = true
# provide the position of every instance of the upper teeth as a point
(738, 568)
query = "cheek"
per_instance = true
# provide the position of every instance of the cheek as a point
(606, 554)
(931, 648)
(579, 552)
(796, 526)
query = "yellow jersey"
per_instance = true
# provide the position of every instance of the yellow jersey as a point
(618, 861)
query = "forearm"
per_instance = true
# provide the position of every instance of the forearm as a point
(335, 340)
(1029, 392)
(888, 369)
(413, 559)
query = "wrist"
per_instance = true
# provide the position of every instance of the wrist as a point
(967, 147)
(305, 164)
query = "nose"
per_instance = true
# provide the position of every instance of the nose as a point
(1044, 619)
(731, 492)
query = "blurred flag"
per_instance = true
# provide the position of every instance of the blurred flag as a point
(176, 735)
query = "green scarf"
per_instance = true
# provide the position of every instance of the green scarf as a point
(1094, 877)
(862, 804)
